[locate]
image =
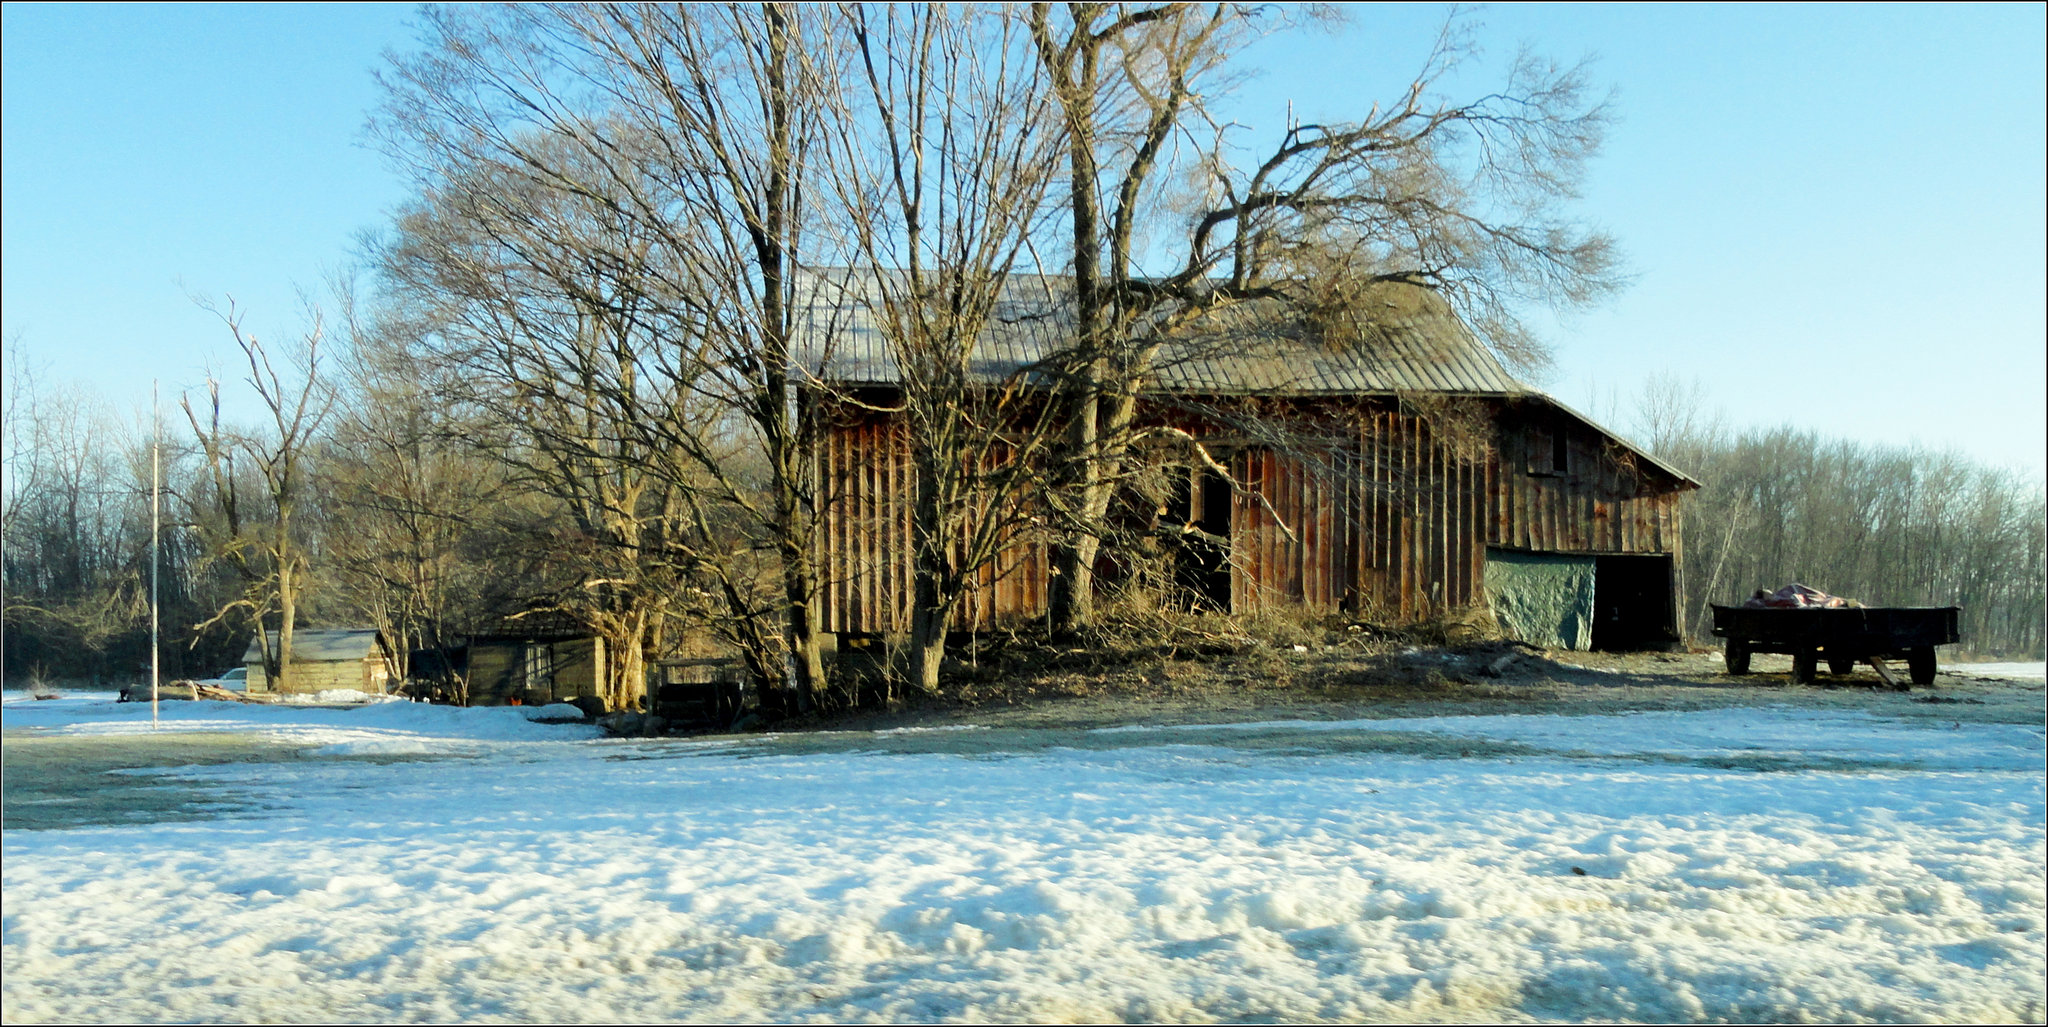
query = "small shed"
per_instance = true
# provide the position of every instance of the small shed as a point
(534, 659)
(359, 659)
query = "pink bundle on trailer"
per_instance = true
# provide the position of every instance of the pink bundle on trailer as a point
(1797, 597)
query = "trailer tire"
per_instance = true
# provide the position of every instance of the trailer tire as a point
(1920, 664)
(1804, 663)
(1736, 655)
(1841, 666)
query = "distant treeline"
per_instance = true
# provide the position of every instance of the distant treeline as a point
(1884, 525)
(76, 545)
(392, 523)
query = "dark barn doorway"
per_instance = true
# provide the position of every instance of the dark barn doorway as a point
(1201, 564)
(1632, 603)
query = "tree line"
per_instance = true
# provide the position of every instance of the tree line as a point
(1884, 525)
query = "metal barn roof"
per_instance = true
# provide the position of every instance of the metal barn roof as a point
(1404, 337)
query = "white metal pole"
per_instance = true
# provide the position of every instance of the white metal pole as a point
(156, 530)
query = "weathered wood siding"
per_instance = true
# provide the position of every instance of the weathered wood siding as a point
(866, 487)
(1601, 501)
(497, 671)
(1392, 520)
(865, 491)
(371, 675)
(494, 672)
(1388, 525)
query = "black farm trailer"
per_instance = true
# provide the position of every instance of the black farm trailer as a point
(1843, 637)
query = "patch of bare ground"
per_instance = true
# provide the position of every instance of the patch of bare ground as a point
(1361, 674)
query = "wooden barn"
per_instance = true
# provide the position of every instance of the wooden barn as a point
(328, 659)
(1400, 475)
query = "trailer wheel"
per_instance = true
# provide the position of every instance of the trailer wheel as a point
(1920, 663)
(1841, 666)
(1736, 655)
(1804, 663)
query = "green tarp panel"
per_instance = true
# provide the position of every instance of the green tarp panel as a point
(1543, 599)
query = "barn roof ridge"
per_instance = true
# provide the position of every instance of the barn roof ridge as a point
(1410, 340)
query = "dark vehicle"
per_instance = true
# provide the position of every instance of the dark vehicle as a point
(700, 695)
(1843, 637)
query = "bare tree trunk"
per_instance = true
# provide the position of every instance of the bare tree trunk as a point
(1072, 591)
(929, 606)
(288, 608)
(1076, 84)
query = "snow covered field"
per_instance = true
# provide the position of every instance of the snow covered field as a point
(2020, 671)
(1759, 864)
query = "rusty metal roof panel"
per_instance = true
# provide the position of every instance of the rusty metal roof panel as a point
(1400, 337)
(1427, 350)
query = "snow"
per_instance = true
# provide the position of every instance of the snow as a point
(2024, 671)
(385, 719)
(1763, 737)
(1738, 864)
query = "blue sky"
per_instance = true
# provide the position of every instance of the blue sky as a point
(1834, 215)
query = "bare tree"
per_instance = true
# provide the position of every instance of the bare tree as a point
(411, 506)
(686, 133)
(256, 531)
(75, 532)
(943, 186)
(538, 305)
(20, 434)
(1465, 196)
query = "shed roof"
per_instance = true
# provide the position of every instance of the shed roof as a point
(324, 645)
(537, 625)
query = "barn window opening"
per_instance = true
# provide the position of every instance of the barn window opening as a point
(1548, 448)
(1200, 505)
(1582, 601)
